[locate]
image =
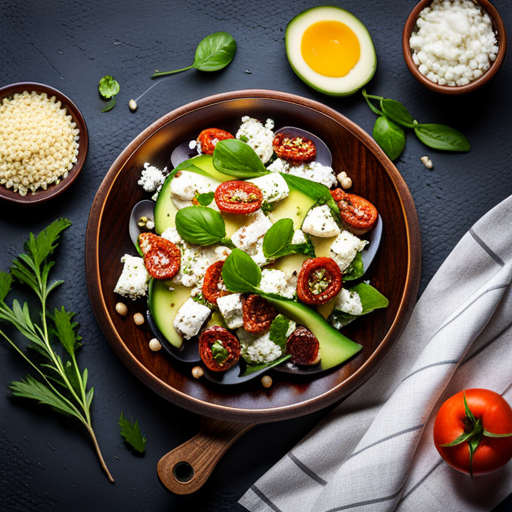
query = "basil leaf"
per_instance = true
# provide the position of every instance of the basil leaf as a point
(278, 237)
(389, 136)
(278, 330)
(395, 111)
(200, 225)
(205, 199)
(439, 136)
(215, 52)
(233, 157)
(240, 273)
(251, 368)
(355, 270)
(109, 105)
(307, 249)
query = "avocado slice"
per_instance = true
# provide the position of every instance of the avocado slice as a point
(294, 207)
(205, 162)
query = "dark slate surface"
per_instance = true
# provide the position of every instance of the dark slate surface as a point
(46, 462)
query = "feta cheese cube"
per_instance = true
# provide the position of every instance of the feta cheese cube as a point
(151, 178)
(247, 236)
(349, 302)
(258, 348)
(190, 318)
(320, 222)
(133, 281)
(185, 185)
(298, 237)
(345, 247)
(230, 307)
(273, 187)
(276, 281)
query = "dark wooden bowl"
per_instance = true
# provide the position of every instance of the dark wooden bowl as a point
(499, 28)
(41, 196)
(395, 271)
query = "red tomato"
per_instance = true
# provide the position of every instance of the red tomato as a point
(258, 314)
(493, 415)
(162, 258)
(319, 281)
(297, 150)
(357, 213)
(212, 280)
(208, 139)
(239, 197)
(303, 347)
(219, 349)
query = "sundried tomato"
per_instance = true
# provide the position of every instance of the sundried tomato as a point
(258, 314)
(303, 346)
(161, 257)
(213, 286)
(239, 197)
(219, 349)
(208, 139)
(319, 281)
(297, 150)
(357, 213)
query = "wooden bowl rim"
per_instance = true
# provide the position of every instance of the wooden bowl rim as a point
(458, 89)
(231, 413)
(42, 196)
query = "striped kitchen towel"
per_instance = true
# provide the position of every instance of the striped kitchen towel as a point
(374, 452)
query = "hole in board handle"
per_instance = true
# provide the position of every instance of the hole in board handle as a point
(183, 472)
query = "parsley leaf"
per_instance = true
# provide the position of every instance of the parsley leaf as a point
(278, 331)
(132, 434)
(108, 87)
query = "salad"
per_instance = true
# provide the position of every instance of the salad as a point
(254, 252)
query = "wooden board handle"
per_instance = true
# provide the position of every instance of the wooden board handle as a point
(185, 469)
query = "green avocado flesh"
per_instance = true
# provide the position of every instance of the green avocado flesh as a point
(334, 347)
(294, 207)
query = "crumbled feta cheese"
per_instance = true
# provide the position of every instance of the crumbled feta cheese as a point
(172, 235)
(193, 144)
(344, 249)
(258, 348)
(133, 281)
(259, 137)
(190, 318)
(151, 178)
(349, 302)
(298, 237)
(279, 165)
(185, 185)
(230, 307)
(320, 222)
(276, 281)
(273, 187)
(246, 237)
(313, 171)
(258, 256)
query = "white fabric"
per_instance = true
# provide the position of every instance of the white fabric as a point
(374, 452)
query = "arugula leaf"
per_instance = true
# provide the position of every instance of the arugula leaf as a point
(278, 330)
(389, 136)
(278, 237)
(355, 270)
(240, 273)
(252, 368)
(235, 158)
(439, 136)
(108, 87)
(200, 225)
(205, 199)
(132, 434)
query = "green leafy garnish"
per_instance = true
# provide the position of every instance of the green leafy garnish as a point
(201, 225)
(240, 273)
(393, 117)
(278, 330)
(355, 270)
(108, 88)
(213, 53)
(266, 207)
(205, 199)
(132, 434)
(256, 367)
(235, 158)
(277, 241)
(62, 385)
(219, 353)
(109, 105)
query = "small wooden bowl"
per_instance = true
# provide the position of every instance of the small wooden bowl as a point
(499, 28)
(41, 196)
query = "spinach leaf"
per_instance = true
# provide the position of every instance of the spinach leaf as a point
(439, 136)
(200, 225)
(395, 111)
(251, 368)
(278, 330)
(389, 136)
(355, 270)
(240, 273)
(234, 158)
(109, 105)
(278, 237)
(205, 199)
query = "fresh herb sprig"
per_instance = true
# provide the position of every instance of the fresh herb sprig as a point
(108, 88)
(61, 384)
(132, 434)
(278, 241)
(393, 118)
(213, 53)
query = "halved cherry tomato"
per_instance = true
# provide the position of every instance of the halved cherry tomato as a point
(303, 346)
(258, 314)
(357, 213)
(493, 415)
(297, 150)
(219, 349)
(319, 281)
(208, 139)
(213, 285)
(239, 197)
(162, 258)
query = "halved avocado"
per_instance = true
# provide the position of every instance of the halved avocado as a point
(330, 50)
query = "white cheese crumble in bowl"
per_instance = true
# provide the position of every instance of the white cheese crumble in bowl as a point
(454, 46)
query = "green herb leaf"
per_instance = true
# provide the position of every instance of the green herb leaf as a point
(65, 330)
(308, 249)
(132, 434)
(278, 237)
(215, 52)
(395, 111)
(369, 98)
(240, 273)
(389, 136)
(219, 353)
(252, 368)
(5, 285)
(205, 199)
(266, 207)
(200, 225)
(108, 87)
(278, 330)
(355, 270)
(109, 106)
(439, 136)
(234, 158)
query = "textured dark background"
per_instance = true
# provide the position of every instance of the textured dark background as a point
(47, 462)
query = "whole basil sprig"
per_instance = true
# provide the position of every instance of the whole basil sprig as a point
(200, 225)
(277, 241)
(235, 158)
(389, 133)
(213, 53)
